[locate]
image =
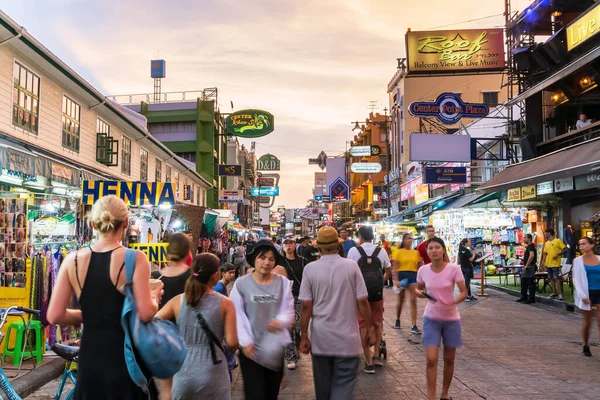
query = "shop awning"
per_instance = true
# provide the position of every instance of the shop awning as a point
(394, 219)
(464, 200)
(570, 161)
(17, 158)
(557, 76)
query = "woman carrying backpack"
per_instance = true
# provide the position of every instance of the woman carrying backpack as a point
(204, 318)
(294, 267)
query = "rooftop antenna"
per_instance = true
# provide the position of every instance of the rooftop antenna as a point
(158, 70)
(373, 105)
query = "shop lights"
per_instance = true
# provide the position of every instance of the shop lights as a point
(585, 82)
(177, 223)
(165, 206)
(49, 207)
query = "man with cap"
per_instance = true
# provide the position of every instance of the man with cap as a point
(333, 293)
(307, 250)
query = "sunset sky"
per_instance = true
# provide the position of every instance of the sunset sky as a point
(316, 65)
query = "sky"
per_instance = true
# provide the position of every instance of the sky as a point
(315, 64)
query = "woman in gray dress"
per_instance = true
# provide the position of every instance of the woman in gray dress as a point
(204, 318)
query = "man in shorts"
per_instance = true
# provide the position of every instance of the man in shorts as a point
(554, 248)
(366, 244)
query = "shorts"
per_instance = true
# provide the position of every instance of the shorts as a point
(553, 273)
(434, 330)
(410, 276)
(594, 296)
(376, 314)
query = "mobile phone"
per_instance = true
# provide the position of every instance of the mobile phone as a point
(430, 297)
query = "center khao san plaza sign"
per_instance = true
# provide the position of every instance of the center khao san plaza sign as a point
(455, 50)
(250, 123)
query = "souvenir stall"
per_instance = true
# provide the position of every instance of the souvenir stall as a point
(394, 232)
(496, 233)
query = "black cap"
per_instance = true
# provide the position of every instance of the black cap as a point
(260, 246)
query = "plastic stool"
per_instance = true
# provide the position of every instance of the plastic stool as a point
(16, 353)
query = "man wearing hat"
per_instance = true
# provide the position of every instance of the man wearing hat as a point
(333, 293)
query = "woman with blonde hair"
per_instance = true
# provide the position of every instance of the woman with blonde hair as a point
(95, 276)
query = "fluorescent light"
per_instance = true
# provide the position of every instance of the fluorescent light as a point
(177, 223)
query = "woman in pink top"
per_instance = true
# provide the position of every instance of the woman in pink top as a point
(441, 318)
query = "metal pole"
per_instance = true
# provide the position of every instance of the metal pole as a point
(387, 166)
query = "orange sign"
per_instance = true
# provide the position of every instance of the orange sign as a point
(455, 50)
(421, 194)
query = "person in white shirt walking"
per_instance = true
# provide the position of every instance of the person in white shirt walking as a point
(333, 292)
(374, 279)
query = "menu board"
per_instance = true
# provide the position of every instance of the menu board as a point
(13, 246)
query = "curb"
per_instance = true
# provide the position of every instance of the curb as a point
(29, 383)
(570, 307)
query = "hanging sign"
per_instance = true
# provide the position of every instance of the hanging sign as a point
(365, 168)
(132, 193)
(230, 170)
(265, 191)
(514, 195)
(365, 151)
(187, 192)
(434, 175)
(545, 188)
(268, 162)
(528, 192)
(448, 108)
(339, 191)
(231, 196)
(156, 252)
(250, 123)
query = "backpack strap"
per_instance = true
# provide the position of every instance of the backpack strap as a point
(376, 252)
(130, 256)
(361, 251)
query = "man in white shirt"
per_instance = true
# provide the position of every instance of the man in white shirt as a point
(582, 122)
(366, 244)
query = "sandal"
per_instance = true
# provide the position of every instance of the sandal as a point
(291, 366)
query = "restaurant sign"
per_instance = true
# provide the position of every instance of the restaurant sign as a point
(514, 194)
(455, 50)
(250, 123)
(448, 108)
(132, 193)
(268, 162)
(584, 27)
(528, 192)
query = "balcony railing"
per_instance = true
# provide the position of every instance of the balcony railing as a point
(568, 139)
(166, 97)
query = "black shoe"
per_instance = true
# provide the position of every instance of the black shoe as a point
(397, 326)
(586, 351)
(529, 302)
(368, 369)
(473, 298)
(520, 300)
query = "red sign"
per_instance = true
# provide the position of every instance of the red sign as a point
(407, 191)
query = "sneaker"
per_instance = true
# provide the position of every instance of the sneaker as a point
(586, 351)
(473, 298)
(368, 369)
(414, 330)
(529, 302)
(468, 299)
(377, 362)
(397, 326)
(291, 366)
(521, 300)
(552, 296)
(560, 297)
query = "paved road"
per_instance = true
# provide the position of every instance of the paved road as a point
(511, 352)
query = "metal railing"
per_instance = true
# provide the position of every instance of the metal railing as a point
(166, 97)
(569, 139)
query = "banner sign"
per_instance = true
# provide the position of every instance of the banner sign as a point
(339, 191)
(365, 168)
(584, 27)
(268, 162)
(455, 50)
(231, 196)
(434, 175)
(514, 195)
(132, 193)
(312, 213)
(265, 191)
(60, 171)
(156, 252)
(230, 170)
(448, 108)
(528, 192)
(250, 123)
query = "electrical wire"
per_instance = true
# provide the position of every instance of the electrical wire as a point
(465, 22)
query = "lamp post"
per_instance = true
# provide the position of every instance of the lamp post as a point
(382, 125)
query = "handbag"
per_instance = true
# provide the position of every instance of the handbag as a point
(212, 338)
(158, 342)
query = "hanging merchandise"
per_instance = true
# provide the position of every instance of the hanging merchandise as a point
(13, 243)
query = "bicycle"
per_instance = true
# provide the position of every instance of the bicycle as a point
(68, 353)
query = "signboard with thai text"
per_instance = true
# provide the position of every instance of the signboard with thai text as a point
(365, 168)
(365, 151)
(265, 191)
(455, 50)
(132, 193)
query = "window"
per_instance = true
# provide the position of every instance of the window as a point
(126, 156)
(143, 165)
(188, 156)
(490, 99)
(26, 93)
(158, 171)
(176, 183)
(107, 148)
(167, 173)
(71, 118)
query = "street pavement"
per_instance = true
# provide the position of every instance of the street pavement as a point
(511, 351)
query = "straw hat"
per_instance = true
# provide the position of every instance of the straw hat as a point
(327, 239)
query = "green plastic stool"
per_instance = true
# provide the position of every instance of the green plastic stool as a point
(15, 353)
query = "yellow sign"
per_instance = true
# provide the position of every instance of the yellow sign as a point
(421, 194)
(455, 50)
(528, 192)
(156, 252)
(514, 195)
(132, 193)
(584, 27)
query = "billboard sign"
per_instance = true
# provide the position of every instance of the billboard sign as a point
(435, 175)
(448, 108)
(268, 162)
(229, 170)
(158, 69)
(584, 27)
(365, 151)
(339, 191)
(231, 196)
(440, 148)
(250, 123)
(455, 50)
(365, 168)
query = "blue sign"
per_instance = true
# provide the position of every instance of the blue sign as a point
(339, 191)
(318, 198)
(158, 69)
(448, 108)
(442, 175)
(265, 191)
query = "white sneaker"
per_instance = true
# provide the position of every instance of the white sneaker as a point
(560, 297)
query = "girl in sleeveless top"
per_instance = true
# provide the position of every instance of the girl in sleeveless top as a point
(95, 275)
(204, 318)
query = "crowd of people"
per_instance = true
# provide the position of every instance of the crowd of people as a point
(274, 301)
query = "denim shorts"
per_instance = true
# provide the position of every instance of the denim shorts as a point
(434, 330)
(553, 273)
(410, 276)
(594, 296)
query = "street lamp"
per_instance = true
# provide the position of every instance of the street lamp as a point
(383, 125)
